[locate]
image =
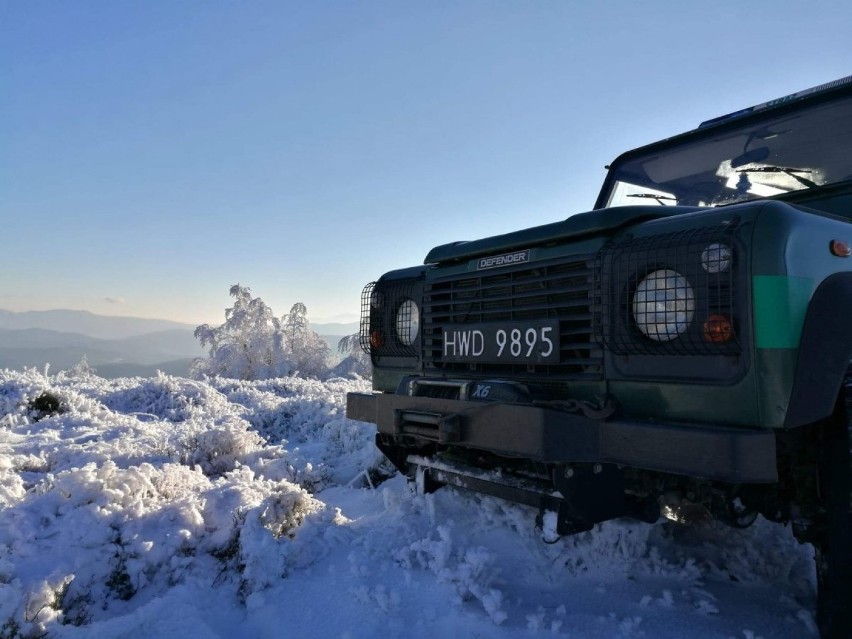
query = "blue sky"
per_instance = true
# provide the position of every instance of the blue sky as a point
(154, 153)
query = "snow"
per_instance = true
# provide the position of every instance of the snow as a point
(168, 507)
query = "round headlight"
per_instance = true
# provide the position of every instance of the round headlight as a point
(663, 305)
(407, 322)
(716, 258)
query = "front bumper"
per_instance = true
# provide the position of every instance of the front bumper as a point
(528, 431)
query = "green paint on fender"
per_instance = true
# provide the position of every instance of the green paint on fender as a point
(780, 304)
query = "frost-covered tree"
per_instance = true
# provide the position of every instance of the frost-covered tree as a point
(244, 346)
(307, 351)
(254, 344)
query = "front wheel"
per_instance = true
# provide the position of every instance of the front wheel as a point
(834, 542)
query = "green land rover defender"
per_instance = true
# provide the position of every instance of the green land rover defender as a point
(681, 350)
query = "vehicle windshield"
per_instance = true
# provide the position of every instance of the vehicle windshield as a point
(804, 149)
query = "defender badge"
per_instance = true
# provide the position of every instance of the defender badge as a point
(507, 259)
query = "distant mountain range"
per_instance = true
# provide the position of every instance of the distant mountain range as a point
(86, 323)
(114, 346)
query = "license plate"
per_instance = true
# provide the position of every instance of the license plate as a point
(533, 342)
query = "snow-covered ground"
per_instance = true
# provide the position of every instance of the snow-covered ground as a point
(167, 507)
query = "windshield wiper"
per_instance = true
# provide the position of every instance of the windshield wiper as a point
(786, 170)
(659, 198)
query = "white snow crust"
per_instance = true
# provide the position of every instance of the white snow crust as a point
(168, 507)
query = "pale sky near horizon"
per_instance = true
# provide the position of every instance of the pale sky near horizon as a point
(152, 154)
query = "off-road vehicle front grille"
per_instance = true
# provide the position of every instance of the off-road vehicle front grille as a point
(551, 290)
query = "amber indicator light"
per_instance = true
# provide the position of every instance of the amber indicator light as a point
(377, 339)
(718, 328)
(840, 248)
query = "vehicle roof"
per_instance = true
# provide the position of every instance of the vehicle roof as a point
(793, 102)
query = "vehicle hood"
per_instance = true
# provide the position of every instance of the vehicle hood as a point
(601, 221)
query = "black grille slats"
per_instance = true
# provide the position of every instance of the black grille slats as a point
(545, 291)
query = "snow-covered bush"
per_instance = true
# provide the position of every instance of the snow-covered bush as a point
(45, 405)
(254, 344)
(81, 369)
(164, 397)
(218, 450)
(355, 361)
